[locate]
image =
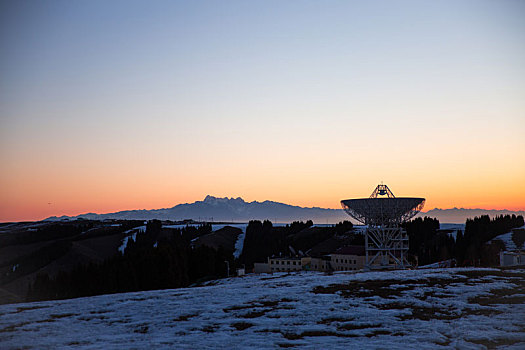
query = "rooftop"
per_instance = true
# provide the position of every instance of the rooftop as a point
(351, 250)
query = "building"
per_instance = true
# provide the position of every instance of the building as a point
(349, 258)
(261, 268)
(279, 264)
(316, 264)
(512, 258)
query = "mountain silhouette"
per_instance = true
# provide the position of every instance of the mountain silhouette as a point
(224, 209)
(236, 209)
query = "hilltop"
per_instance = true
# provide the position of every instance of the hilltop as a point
(465, 308)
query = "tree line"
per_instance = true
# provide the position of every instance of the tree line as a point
(427, 244)
(263, 240)
(157, 259)
(165, 258)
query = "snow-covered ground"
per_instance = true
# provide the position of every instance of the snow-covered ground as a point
(239, 244)
(506, 238)
(440, 308)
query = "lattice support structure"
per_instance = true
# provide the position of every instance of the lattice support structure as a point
(386, 242)
(386, 247)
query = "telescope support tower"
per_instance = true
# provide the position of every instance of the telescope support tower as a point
(386, 242)
(386, 247)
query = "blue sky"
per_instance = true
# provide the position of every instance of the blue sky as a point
(420, 93)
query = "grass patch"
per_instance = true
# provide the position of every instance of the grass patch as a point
(26, 308)
(267, 305)
(241, 326)
(380, 288)
(286, 345)
(378, 332)
(90, 318)
(254, 314)
(13, 327)
(184, 317)
(496, 343)
(99, 312)
(238, 307)
(45, 321)
(58, 316)
(142, 329)
(491, 273)
(137, 299)
(209, 329)
(287, 300)
(295, 336)
(351, 326)
(514, 295)
(78, 343)
(331, 320)
(428, 313)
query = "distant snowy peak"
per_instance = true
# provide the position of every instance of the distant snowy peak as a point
(217, 200)
(225, 209)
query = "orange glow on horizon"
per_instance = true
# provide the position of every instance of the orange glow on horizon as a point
(41, 209)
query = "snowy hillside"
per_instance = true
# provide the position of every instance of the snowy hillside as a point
(506, 238)
(466, 308)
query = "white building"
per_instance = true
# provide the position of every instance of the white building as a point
(512, 258)
(349, 258)
(279, 264)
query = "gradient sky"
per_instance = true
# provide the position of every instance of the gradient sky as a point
(107, 106)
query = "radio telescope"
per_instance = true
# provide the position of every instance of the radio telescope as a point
(386, 242)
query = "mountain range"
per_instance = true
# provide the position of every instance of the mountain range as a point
(236, 209)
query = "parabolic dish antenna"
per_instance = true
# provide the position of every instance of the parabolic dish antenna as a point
(386, 242)
(383, 211)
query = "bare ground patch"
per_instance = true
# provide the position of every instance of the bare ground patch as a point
(59, 316)
(142, 329)
(185, 317)
(26, 308)
(353, 326)
(387, 289)
(260, 308)
(513, 295)
(241, 326)
(331, 320)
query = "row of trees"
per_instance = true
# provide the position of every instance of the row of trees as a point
(427, 243)
(263, 239)
(152, 261)
(165, 258)
(470, 247)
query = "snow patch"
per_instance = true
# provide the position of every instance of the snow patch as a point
(239, 244)
(133, 236)
(506, 238)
